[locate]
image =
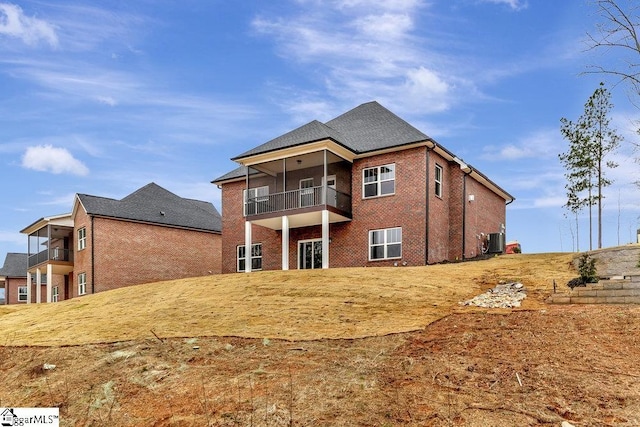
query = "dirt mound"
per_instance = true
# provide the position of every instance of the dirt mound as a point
(522, 368)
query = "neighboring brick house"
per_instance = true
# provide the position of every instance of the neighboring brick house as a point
(363, 189)
(14, 276)
(148, 236)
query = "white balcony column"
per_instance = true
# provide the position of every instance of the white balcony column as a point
(29, 279)
(285, 242)
(49, 282)
(325, 238)
(247, 246)
(38, 287)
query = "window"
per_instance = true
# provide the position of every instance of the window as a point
(379, 181)
(82, 238)
(55, 294)
(22, 294)
(385, 244)
(255, 200)
(82, 283)
(256, 257)
(438, 180)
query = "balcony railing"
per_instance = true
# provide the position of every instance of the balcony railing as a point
(53, 254)
(297, 199)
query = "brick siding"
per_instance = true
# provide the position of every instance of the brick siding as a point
(128, 253)
(407, 208)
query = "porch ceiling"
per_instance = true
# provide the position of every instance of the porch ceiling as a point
(298, 220)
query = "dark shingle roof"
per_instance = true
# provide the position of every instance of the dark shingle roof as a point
(15, 265)
(312, 131)
(371, 127)
(154, 204)
(368, 127)
(236, 173)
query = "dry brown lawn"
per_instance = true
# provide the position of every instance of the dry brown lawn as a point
(293, 305)
(346, 347)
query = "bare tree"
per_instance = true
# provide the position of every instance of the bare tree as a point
(619, 35)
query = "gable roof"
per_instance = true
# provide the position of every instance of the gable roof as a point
(368, 127)
(15, 265)
(154, 204)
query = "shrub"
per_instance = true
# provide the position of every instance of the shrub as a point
(587, 269)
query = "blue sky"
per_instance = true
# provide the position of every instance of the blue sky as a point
(103, 97)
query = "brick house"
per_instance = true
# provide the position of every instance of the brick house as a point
(13, 277)
(150, 235)
(363, 189)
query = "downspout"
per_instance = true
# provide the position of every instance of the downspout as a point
(93, 264)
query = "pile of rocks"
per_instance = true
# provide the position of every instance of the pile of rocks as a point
(505, 295)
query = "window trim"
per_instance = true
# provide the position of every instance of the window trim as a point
(82, 284)
(244, 258)
(378, 181)
(82, 238)
(385, 244)
(438, 181)
(55, 293)
(21, 294)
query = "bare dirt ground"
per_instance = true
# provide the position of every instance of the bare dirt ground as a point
(469, 367)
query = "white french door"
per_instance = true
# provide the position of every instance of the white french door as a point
(310, 254)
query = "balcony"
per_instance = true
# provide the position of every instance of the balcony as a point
(290, 187)
(304, 198)
(54, 254)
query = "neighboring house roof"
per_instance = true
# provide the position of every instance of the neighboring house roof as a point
(368, 127)
(154, 204)
(15, 265)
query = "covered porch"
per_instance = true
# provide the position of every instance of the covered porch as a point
(301, 189)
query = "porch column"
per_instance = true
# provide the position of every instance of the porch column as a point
(49, 282)
(29, 287)
(285, 242)
(247, 246)
(325, 238)
(38, 287)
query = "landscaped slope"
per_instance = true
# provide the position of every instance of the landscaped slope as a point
(293, 305)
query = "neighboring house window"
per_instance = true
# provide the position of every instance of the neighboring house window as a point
(256, 257)
(385, 244)
(82, 238)
(22, 294)
(438, 180)
(255, 200)
(82, 283)
(55, 294)
(379, 181)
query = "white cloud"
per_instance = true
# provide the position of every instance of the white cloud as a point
(14, 23)
(47, 158)
(513, 4)
(542, 144)
(361, 51)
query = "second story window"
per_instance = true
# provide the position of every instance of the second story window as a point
(82, 238)
(438, 180)
(379, 181)
(255, 200)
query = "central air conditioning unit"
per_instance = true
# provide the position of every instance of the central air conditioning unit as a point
(496, 243)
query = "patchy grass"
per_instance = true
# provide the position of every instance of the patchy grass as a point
(291, 305)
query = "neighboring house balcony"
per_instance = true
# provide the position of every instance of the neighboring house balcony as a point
(50, 252)
(51, 244)
(299, 188)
